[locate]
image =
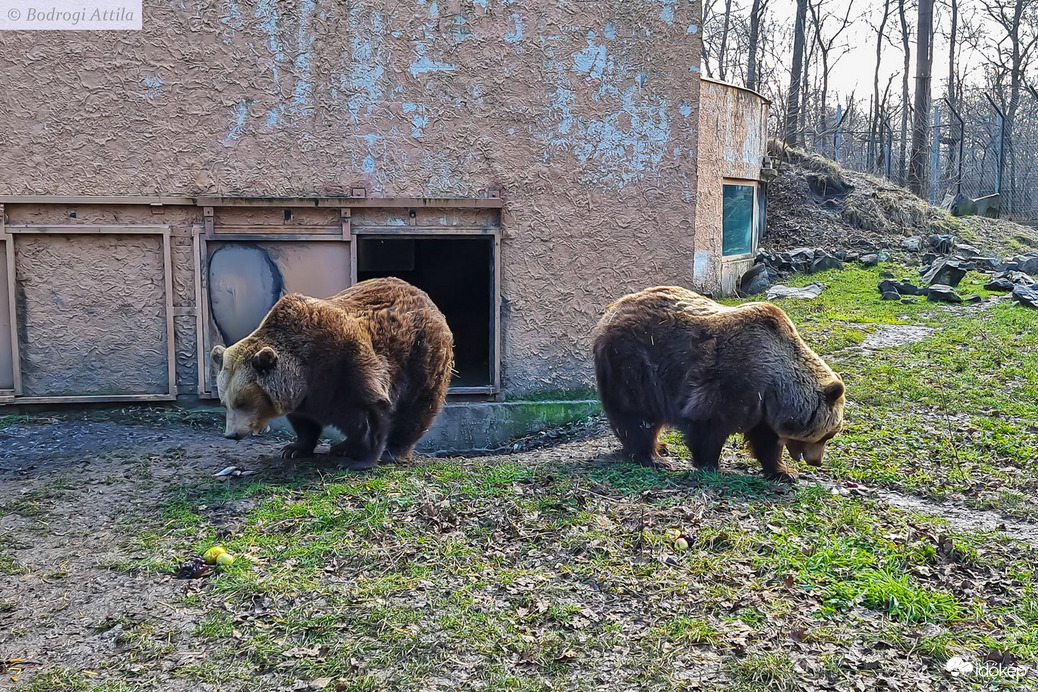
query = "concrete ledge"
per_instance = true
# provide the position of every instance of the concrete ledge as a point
(470, 426)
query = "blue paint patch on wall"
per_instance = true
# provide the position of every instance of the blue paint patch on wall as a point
(241, 112)
(369, 164)
(364, 82)
(423, 64)
(692, 29)
(609, 31)
(267, 14)
(685, 109)
(231, 19)
(419, 119)
(517, 35)
(592, 61)
(154, 87)
(302, 100)
(667, 13)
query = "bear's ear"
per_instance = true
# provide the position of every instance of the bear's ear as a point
(265, 359)
(833, 391)
(217, 356)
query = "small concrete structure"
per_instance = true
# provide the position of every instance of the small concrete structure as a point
(525, 167)
(732, 191)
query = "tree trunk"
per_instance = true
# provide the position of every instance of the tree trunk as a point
(792, 133)
(751, 68)
(906, 46)
(723, 56)
(876, 126)
(917, 172)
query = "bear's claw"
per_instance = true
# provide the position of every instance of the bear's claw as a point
(293, 452)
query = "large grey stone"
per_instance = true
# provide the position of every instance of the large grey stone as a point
(756, 280)
(942, 293)
(1027, 295)
(812, 290)
(825, 262)
(869, 260)
(948, 272)
(901, 287)
(912, 243)
(941, 243)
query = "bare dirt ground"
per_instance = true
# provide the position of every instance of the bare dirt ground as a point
(68, 492)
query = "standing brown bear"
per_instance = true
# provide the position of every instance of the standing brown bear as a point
(373, 361)
(669, 356)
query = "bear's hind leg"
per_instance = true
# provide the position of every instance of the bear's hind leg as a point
(705, 440)
(410, 421)
(764, 444)
(365, 439)
(308, 432)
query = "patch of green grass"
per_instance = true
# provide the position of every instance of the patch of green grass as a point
(772, 671)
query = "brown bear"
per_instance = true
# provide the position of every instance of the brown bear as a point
(667, 356)
(373, 361)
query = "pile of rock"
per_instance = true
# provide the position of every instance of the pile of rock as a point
(946, 262)
(769, 267)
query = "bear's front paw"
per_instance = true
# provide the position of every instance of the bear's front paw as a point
(296, 451)
(782, 477)
(657, 463)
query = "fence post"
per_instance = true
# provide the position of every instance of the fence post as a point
(836, 135)
(935, 152)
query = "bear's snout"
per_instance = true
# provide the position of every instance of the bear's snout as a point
(233, 435)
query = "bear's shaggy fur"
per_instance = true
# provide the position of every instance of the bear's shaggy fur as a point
(667, 356)
(373, 361)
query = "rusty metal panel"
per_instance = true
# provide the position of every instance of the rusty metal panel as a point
(6, 349)
(92, 315)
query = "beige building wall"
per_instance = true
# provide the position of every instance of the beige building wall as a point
(732, 146)
(580, 115)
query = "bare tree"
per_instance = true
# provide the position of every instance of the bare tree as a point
(906, 47)
(875, 126)
(917, 172)
(757, 11)
(793, 97)
(825, 45)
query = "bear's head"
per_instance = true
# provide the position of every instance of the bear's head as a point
(255, 383)
(826, 420)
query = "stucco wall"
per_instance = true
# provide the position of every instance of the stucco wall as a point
(583, 114)
(732, 144)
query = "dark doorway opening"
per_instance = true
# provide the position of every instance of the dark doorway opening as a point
(458, 274)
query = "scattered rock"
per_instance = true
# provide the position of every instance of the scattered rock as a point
(812, 290)
(756, 280)
(869, 260)
(1027, 295)
(1027, 263)
(986, 264)
(1006, 281)
(942, 293)
(947, 272)
(883, 255)
(826, 262)
(890, 295)
(974, 298)
(941, 243)
(902, 287)
(886, 275)
(912, 243)
(965, 251)
(908, 300)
